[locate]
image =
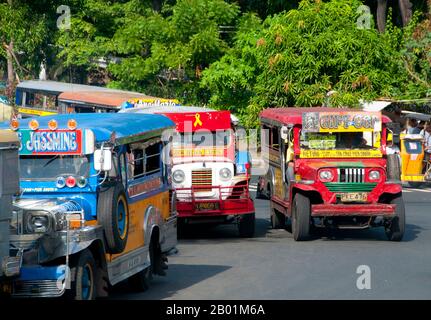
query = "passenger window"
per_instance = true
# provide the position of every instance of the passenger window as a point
(114, 171)
(123, 169)
(143, 160)
(152, 159)
(274, 138)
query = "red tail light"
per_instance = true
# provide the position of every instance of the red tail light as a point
(70, 182)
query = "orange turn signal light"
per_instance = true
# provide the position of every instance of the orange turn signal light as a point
(52, 124)
(33, 124)
(72, 124)
(14, 124)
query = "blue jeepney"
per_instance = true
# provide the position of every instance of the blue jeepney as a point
(95, 207)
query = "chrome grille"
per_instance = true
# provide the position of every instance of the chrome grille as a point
(351, 175)
(39, 288)
(202, 179)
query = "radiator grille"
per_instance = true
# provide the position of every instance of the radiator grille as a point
(39, 288)
(351, 175)
(350, 187)
(202, 179)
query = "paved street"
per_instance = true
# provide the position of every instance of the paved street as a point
(213, 263)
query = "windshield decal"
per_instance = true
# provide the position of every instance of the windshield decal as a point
(341, 122)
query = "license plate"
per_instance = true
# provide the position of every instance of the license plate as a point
(207, 206)
(354, 197)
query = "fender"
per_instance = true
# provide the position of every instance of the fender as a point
(153, 219)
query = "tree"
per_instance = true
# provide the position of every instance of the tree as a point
(301, 55)
(23, 31)
(416, 57)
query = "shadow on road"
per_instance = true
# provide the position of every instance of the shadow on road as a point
(224, 231)
(377, 234)
(179, 277)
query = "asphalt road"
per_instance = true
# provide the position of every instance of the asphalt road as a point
(213, 263)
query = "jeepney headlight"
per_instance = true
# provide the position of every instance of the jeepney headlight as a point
(38, 222)
(326, 175)
(374, 175)
(178, 176)
(61, 182)
(81, 182)
(225, 174)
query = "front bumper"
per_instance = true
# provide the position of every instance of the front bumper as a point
(39, 281)
(365, 210)
(188, 209)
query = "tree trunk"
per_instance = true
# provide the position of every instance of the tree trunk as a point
(10, 71)
(406, 11)
(381, 14)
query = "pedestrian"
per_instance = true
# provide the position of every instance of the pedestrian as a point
(412, 127)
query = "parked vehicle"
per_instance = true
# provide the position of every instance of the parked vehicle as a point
(10, 259)
(96, 206)
(329, 168)
(209, 173)
(44, 98)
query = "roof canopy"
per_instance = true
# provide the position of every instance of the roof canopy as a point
(103, 124)
(109, 98)
(189, 118)
(56, 87)
(294, 115)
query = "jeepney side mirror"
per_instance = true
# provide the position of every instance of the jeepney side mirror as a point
(284, 133)
(103, 159)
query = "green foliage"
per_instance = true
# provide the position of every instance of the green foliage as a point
(416, 58)
(26, 28)
(297, 57)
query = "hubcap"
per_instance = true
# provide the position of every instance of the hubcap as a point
(121, 219)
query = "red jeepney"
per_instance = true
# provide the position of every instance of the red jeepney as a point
(329, 168)
(209, 174)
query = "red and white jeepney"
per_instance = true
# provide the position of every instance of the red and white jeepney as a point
(329, 168)
(209, 174)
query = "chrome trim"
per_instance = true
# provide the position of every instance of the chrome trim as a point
(47, 288)
(128, 264)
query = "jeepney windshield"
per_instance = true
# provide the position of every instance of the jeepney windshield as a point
(219, 138)
(340, 140)
(52, 166)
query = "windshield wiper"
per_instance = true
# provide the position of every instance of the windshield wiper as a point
(50, 160)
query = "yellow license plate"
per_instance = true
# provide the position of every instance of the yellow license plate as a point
(354, 197)
(207, 206)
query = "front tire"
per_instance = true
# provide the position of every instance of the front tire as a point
(277, 219)
(301, 219)
(246, 225)
(395, 230)
(84, 286)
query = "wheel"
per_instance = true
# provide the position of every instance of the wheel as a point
(301, 217)
(395, 229)
(113, 216)
(393, 165)
(246, 225)
(181, 227)
(141, 281)
(84, 286)
(277, 219)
